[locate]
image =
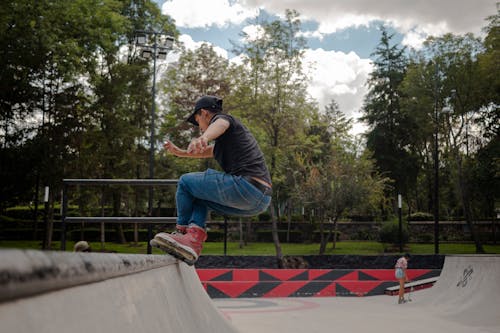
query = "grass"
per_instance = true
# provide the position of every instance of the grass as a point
(212, 248)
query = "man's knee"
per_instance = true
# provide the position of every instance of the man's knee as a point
(186, 179)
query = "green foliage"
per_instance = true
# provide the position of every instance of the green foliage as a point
(73, 65)
(265, 217)
(421, 216)
(390, 127)
(389, 233)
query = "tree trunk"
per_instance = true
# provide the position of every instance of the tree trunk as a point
(248, 232)
(276, 240)
(289, 221)
(242, 243)
(323, 239)
(464, 195)
(103, 230)
(49, 220)
(136, 210)
(335, 229)
(116, 212)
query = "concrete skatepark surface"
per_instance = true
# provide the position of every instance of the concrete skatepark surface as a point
(466, 299)
(92, 292)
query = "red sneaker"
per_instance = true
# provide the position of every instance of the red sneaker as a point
(186, 247)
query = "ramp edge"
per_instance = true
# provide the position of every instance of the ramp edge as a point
(25, 273)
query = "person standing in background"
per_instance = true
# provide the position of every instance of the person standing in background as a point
(400, 271)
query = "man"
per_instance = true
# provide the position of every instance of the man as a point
(243, 188)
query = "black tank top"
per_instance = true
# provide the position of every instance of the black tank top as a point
(237, 151)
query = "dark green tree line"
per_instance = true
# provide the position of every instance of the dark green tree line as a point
(443, 90)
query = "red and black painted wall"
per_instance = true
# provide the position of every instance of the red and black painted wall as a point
(234, 283)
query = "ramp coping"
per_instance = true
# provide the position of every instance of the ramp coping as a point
(414, 283)
(25, 273)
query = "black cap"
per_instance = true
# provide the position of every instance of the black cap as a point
(211, 103)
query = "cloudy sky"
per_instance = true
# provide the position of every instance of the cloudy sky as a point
(341, 34)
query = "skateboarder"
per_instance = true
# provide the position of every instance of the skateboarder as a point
(243, 188)
(400, 272)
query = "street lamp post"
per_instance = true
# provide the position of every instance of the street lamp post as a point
(400, 219)
(446, 109)
(436, 164)
(436, 189)
(161, 44)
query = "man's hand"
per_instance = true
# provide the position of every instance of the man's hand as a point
(173, 149)
(198, 145)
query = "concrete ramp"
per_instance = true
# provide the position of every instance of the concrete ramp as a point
(92, 292)
(468, 290)
(466, 299)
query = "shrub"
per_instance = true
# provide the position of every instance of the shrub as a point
(265, 217)
(426, 238)
(389, 233)
(317, 235)
(366, 235)
(421, 216)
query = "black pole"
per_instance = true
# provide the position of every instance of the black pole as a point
(400, 224)
(225, 235)
(436, 165)
(63, 216)
(152, 147)
(45, 244)
(35, 214)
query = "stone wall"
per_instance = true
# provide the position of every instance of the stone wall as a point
(419, 231)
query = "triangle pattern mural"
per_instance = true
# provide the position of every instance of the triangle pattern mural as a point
(233, 283)
(285, 274)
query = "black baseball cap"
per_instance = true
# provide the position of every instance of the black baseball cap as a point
(208, 102)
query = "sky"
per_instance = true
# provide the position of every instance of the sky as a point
(341, 34)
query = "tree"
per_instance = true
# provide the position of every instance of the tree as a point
(277, 99)
(65, 74)
(122, 90)
(489, 83)
(449, 80)
(51, 46)
(197, 73)
(486, 170)
(340, 177)
(390, 128)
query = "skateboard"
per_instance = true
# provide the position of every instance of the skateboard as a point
(174, 250)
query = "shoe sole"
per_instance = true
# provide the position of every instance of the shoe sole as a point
(174, 250)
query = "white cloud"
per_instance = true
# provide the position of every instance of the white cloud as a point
(311, 34)
(190, 44)
(253, 32)
(414, 39)
(202, 13)
(457, 16)
(343, 22)
(338, 76)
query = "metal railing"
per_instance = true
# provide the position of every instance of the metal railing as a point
(150, 220)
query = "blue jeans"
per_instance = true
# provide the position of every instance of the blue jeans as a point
(200, 192)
